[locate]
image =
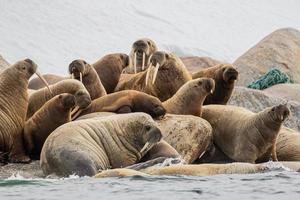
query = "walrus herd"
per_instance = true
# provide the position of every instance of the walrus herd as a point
(125, 115)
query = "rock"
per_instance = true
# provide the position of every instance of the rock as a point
(257, 100)
(196, 63)
(189, 135)
(3, 63)
(289, 92)
(280, 49)
(31, 170)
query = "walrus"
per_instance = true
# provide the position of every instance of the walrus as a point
(125, 101)
(225, 76)
(85, 147)
(51, 79)
(188, 100)
(140, 55)
(109, 68)
(288, 145)
(245, 136)
(168, 75)
(14, 102)
(54, 113)
(39, 97)
(85, 73)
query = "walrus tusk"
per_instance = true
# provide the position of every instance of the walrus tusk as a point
(211, 91)
(134, 62)
(80, 76)
(155, 73)
(143, 62)
(75, 113)
(148, 73)
(44, 81)
(75, 110)
(146, 146)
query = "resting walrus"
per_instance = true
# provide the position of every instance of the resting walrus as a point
(14, 102)
(86, 146)
(39, 97)
(109, 69)
(245, 136)
(140, 55)
(168, 75)
(188, 100)
(224, 76)
(85, 73)
(125, 102)
(54, 113)
(288, 145)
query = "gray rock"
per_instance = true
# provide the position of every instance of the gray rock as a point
(31, 170)
(280, 49)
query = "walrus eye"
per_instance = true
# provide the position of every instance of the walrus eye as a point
(147, 127)
(273, 109)
(59, 96)
(23, 67)
(84, 62)
(200, 83)
(167, 56)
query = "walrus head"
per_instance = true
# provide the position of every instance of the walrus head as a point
(83, 99)
(230, 74)
(79, 68)
(149, 104)
(67, 100)
(142, 50)
(279, 113)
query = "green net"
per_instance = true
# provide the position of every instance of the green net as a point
(273, 77)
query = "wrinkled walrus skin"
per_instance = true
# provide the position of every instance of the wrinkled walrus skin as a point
(39, 97)
(54, 113)
(86, 146)
(171, 75)
(245, 136)
(13, 108)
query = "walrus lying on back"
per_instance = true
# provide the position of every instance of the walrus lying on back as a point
(140, 55)
(84, 147)
(245, 136)
(54, 113)
(39, 97)
(125, 102)
(224, 76)
(168, 75)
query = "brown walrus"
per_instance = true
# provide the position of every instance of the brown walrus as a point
(168, 75)
(109, 69)
(51, 79)
(288, 145)
(54, 113)
(140, 55)
(125, 102)
(225, 76)
(14, 102)
(245, 136)
(188, 100)
(85, 73)
(86, 146)
(39, 97)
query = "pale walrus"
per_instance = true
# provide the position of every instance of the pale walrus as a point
(288, 145)
(109, 69)
(168, 75)
(87, 146)
(54, 113)
(225, 76)
(245, 136)
(51, 79)
(85, 73)
(140, 55)
(14, 102)
(188, 100)
(38, 98)
(125, 102)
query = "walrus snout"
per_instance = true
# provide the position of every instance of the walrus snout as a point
(68, 100)
(209, 85)
(282, 112)
(230, 74)
(83, 99)
(154, 135)
(76, 67)
(140, 46)
(158, 57)
(159, 111)
(31, 66)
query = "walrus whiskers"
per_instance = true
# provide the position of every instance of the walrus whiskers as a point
(143, 62)
(44, 81)
(155, 73)
(134, 62)
(148, 73)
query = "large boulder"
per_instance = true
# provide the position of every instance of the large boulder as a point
(257, 100)
(280, 49)
(196, 63)
(289, 92)
(3, 63)
(189, 135)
